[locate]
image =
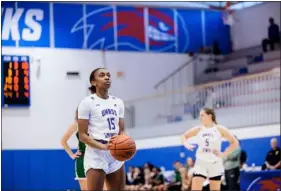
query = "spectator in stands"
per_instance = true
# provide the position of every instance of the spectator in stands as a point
(189, 163)
(149, 165)
(184, 178)
(273, 36)
(272, 160)
(176, 183)
(138, 179)
(147, 178)
(130, 174)
(157, 180)
(189, 166)
(129, 178)
(190, 171)
(243, 159)
(216, 48)
(232, 169)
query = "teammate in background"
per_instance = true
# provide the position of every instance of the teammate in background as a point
(208, 156)
(78, 156)
(100, 118)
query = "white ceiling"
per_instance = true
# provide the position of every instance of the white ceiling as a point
(174, 4)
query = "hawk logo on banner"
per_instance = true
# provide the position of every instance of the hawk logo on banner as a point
(129, 28)
(130, 24)
(265, 184)
(96, 33)
(162, 30)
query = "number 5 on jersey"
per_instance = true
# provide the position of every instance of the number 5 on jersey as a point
(207, 142)
(111, 123)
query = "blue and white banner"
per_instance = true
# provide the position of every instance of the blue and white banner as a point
(25, 24)
(68, 34)
(85, 26)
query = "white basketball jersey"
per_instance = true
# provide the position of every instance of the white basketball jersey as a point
(103, 115)
(209, 139)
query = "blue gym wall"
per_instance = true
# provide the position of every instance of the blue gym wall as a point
(54, 170)
(119, 28)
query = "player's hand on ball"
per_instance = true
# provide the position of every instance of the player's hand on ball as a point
(122, 147)
(189, 146)
(112, 138)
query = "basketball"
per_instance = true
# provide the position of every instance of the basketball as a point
(122, 147)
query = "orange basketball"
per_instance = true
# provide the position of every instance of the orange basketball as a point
(122, 147)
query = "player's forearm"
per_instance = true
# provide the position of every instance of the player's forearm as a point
(234, 155)
(232, 147)
(189, 133)
(122, 127)
(88, 141)
(183, 139)
(122, 132)
(66, 148)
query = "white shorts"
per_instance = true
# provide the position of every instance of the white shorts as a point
(208, 169)
(100, 159)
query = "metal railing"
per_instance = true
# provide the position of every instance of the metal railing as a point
(177, 79)
(175, 72)
(242, 101)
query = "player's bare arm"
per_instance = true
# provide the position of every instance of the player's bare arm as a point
(233, 142)
(122, 126)
(190, 133)
(82, 130)
(70, 131)
(121, 119)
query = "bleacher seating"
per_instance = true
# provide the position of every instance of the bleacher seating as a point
(234, 100)
(247, 64)
(244, 53)
(271, 55)
(230, 64)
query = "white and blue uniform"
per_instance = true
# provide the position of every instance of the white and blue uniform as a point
(207, 163)
(103, 116)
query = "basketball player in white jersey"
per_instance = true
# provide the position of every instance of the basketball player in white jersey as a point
(100, 118)
(209, 156)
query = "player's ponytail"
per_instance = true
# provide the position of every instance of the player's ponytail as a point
(93, 88)
(211, 112)
(214, 119)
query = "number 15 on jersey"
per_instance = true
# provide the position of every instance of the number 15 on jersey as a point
(111, 123)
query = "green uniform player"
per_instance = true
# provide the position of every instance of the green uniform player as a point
(79, 162)
(78, 156)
